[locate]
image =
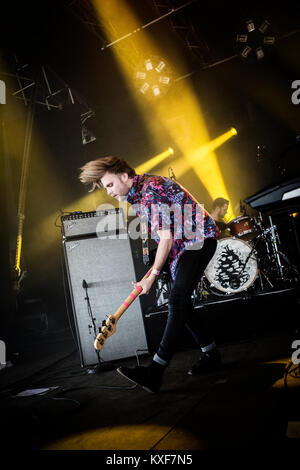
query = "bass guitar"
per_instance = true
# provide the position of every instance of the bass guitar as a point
(109, 326)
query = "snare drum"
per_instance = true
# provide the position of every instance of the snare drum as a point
(227, 271)
(243, 227)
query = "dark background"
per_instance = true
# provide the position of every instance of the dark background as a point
(253, 96)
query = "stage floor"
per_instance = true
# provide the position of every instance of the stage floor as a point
(249, 403)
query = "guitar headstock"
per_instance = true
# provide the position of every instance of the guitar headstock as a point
(108, 328)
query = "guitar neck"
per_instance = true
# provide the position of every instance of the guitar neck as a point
(128, 301)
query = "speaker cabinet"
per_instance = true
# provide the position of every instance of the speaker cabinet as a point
(106, 265)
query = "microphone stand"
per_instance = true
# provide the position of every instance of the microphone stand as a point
(85, 286)
(171, 174)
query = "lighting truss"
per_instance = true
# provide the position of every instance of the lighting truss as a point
(185, 29)
(39, 87)
(50, 92)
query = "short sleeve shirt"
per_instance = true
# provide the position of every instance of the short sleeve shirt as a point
(164, 204)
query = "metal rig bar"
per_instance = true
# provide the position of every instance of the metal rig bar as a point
(173, 10)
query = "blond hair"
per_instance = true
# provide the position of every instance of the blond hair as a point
(93, 171)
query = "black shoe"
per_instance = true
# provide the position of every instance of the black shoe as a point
(149, 378)
(209, 362)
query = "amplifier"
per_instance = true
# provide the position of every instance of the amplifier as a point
(95, 223)
(106, 264)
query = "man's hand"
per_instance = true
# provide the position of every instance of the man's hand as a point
(145, 284)
(162, 253)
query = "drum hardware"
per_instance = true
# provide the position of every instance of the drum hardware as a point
(261, 272)
(269, 256)
(243, 227)
(245, 261)
(274, 244)
(162, 292)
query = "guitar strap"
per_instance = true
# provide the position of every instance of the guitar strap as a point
(145, 241)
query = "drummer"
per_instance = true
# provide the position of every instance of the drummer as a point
(219, 210)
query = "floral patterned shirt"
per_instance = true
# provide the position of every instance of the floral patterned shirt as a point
(164, 204)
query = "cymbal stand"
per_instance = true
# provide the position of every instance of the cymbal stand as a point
(262, 236)
(162, 292)
(274, 244)
(260, 270)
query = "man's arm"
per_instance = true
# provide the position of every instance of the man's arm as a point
(162, 253)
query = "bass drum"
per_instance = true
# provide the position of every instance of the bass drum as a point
(226, 271)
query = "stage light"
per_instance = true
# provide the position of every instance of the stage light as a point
(250, 26)
(233, 131)
(160, 66)
(141, 75)
(150, 73)
(264, 26)
(259, 53)
(270, 40)
(181, 118)
(246, 51)
(164, 80)
(148, 65)
(86, 135)
(154, 161)
(156, 90)
(255, 41)
(145, 87)
(242, 38)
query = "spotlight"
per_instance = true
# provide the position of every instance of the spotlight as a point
(270, 40)
(156, 90)
(259, 52)
(145, 87)
(233, 131)
(250, 26)
(150, 71)
(140, 75)
(154, 161)
(255, 41)
(242, 38)
(246, 51)
(264, 26)
(160, 66)
(86, 135)
(148, 65)
(164, 80)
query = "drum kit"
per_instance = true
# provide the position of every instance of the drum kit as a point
(249, 258)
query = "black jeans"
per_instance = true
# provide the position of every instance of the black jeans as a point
(190, 269)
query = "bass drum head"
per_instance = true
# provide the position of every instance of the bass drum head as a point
(225, 270)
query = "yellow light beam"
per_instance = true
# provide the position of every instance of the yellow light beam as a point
(178, 115)
(208, 148)
(153, 162)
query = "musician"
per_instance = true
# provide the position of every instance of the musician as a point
(187, 256)
(219, 210)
